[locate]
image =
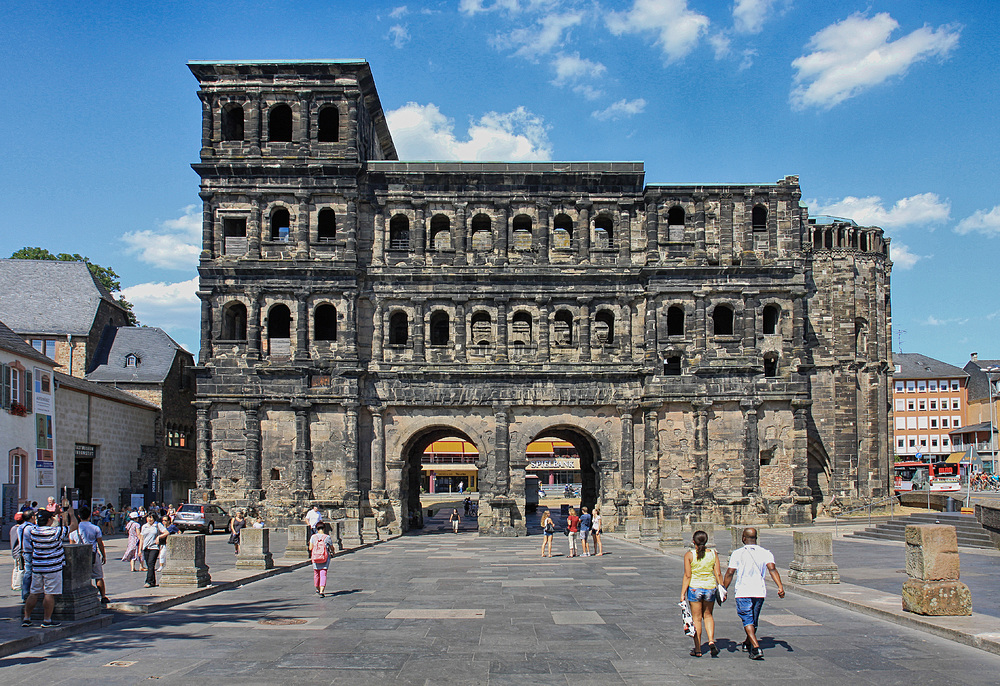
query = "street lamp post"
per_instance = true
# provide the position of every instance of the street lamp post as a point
(993, 440)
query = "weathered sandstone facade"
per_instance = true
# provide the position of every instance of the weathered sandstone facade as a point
(710, 351)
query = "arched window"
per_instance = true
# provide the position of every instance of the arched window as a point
(325, 323)
(482, 233)
(562, 227)
(522, 232)
(482, 328)
(521, 328)
(722, 320)
(279, 124)
(771, 365)
(399, 328)
(604, 327)
(280, 223)
(675, 321)
(675, 216)
(604, 230)
(440, 232)
(329, 125)
(232, 122)
(672, 366)
(234, 322)
(279, 322)
(326, 225)
(440, 329)
(562, 329)
(758, 218)
(131, 360)
(770, 323)
(399, 232)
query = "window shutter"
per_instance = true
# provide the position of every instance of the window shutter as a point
(5, 397)
(28, 389)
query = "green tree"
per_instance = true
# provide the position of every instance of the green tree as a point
(106, 275)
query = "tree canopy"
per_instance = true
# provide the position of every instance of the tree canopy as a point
(106, 275)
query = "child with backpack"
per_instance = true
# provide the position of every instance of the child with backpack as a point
(320, 551)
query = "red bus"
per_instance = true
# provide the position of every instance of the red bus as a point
(909, 476)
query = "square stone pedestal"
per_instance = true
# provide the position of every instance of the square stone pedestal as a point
(255, 549)
(297, 547)
(185, 565)
(79, 599)
(813, 558)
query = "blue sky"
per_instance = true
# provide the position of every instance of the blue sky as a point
(885, 109)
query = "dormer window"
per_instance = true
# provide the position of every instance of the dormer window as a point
(131, 360)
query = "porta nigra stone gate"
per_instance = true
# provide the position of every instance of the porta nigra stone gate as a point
(711, 351)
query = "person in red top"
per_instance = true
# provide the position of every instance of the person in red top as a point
(573, 525)
(52, 506)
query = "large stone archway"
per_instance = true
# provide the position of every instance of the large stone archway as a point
(411, 512)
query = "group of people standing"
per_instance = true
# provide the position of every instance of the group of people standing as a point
(146, 547)
(579, 530)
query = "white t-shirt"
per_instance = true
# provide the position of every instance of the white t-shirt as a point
(87, 533)
(150, 533)
(750, 563)
(313, 518)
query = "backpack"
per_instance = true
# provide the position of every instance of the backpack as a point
(320, 553)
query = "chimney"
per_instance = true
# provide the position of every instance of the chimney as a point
(975, 357)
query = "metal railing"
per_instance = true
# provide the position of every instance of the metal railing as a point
(868, 506)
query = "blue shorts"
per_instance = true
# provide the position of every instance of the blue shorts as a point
(584, 533)
(695, 595)
(547, 534)
(749, 610)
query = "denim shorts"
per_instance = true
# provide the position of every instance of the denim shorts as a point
(584, 533)
(695, 595)
(749, 610)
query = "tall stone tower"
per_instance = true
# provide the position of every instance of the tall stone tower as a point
(710, 350)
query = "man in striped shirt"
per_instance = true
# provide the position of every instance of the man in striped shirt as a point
(45, 545)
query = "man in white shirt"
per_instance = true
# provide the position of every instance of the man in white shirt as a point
(90, 534)
(748, 564)
(313, 517)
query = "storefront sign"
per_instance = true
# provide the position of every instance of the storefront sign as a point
(553, 463)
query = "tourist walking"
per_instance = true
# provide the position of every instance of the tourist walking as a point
(595, 532)
(702, 577)
(236, 525)
(132, 554)
(585, 522)
(45, 544)
(151, 536)
(456, 521)
(88, 533)
(313, 517)
(573, 531)
(548, 529)
(320, 552)
(748, 565)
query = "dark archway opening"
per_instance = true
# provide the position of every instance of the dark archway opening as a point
(440, 474)
(567, 472)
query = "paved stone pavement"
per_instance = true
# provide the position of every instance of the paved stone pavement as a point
(440, 608)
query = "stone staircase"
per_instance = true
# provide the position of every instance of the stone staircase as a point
(970, 532)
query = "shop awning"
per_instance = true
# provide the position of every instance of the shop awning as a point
(956, 458)
(449, 468)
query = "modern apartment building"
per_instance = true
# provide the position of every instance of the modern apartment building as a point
(930, 399)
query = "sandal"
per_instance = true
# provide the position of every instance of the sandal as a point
(713, 649)
(695, 653)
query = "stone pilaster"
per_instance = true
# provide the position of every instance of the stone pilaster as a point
(253, 325)
(252, 454)
(583, 231)
(652, 244)
(351, 457)
(303, 451)
(751, 446)
(700, 448)
(541, 237)
(651, 455)
(208, 248)
(627, 446)
(205, 354)
(302, 227)
(254, 226)
(301, 326)
(378, 447)
(461, 234)
(623, 234)
(585, 351)
(351, 227)
(203, 448)
(420, 313)
(460, 333)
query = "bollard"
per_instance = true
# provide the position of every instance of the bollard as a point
(649, 529)
(369, 532)
(350, 533)
(932, 568)
(670, 533)
(255, 549)
(813, 558)
(185, 565)
(79, 598)
(297, 547)
(632, 528)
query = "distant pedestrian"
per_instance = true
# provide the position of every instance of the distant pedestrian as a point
(456, 521)
(702, 576)
(313, 517)
(132, 554)
(151, 537)
(548, 529)
(51, 506)
(461, 487)
(467, 504)
(320, 551)
(45, 542)
(88, 533)
(172, 529)
(585, 522)
(748, 565)
(573, 529)
(236, 526)
(595, 532)
(28, 518)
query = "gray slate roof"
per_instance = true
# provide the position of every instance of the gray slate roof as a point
(979, 387)
(109, 392)
(152, 346)
(49, 297)
(13, 343)
(917, 366)
(972, 428)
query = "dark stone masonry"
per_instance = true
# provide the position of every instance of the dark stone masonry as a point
(713, 353)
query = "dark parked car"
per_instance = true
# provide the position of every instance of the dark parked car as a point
(202, 517)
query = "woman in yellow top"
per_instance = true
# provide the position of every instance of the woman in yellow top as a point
(702, 575)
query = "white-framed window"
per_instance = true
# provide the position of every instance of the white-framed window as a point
(956, 422)
(934, 404)
(945, 441)
(911, 405)
(922, 405)
(900, 405)
(900, 423)
(15, 385)
(944, 422)
(954, 385)
(956, 404)
(899, 384)
(932, 385)
(911, 422)
(921, 386)
(934, 441)
(913, 443)
(921, 422)
(923, 441)
(911, 386)
(900, 443)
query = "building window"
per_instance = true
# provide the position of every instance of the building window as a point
(482, 233)
(934, 423)
(280, 224)
(604, 327)
(899, 384)
(232, 122)
(770, 323)
(758, 218)
(329, 125)
(672, 366)
(326, 225)
(722, 320)
(440, 329)
(934, 404)
(399, 232)
(675, 321)
(18, 472)
(399, 326)
(45, 346)
(234, 322)
(279, 124)
(921, 386)
(440, 233)
(325, 323)
(522, 232)
(131, 360)
(562, 227)
(911, 405)
(913, 443)
(482, 329)
(944, 422)
(911, 386)
(955, 404)
(675, 216)
(932, 385)
(900, 443)
(604, 229)
(954, 385)
(521, 328)
(900, 405)
(562, 329)
(922, 405)
(275, 474)
(770, 366)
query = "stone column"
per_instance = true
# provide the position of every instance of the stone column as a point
(378, 447)
(302, 227)
(185, 565)
(252, 454)
(623, 234)
(628, 446)
(208, 248)
(351, 461)
(800, 447)
(351, 138)
(203, 447)
(583, 245)
(750, 304)
(651, 450)
(932, 568)
(255, 549)
(584, 328)
(205, 354)
(418, 240)
(501, 329)
(544, 326)
(798, 324)
(79, 599)
(461, 232)
(460, 335)
(501, 415)
(208, 118)
(751, 446)
(378, 330)
(652, 242)
(348, 339)
(351, 226)
(381, 230)
(297, 547)
(303, 451)
(699, 226)
(503, 234)
(541, 246)
(301, 326)
(650, 346)
(302, 126)
(813, 558)
(700, 321)
(254, 226)
(420, 308)
(700, 449)
(253, 325)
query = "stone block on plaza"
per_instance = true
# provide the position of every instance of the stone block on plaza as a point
(369, 530)
(649, 529)
(937, 598)
(80, 598)
(633, 528)
(707, 527)
(812, 561)
(255, 549)
(350, 533)
(670, 532)
(185, 565)
(932, 552)
(297, 547)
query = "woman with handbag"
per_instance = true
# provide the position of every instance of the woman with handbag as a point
(236, 525)
(320, 551)
(702, 576)
(573, 531)
(548, 529)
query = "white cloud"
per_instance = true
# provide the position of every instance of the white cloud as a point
(986, 222)
(399, 35)
(855, 54)
(587, 91)
(510, 6)
(176, 244)
(934, 321)
(923, 208)
(174, 307)
(540, 37)
(749, 15)
(902, 257)
(400, 11)
(422, 132)
(747, 61)
(721, 45)
(677, 27)
(572, 68)
(621, 109)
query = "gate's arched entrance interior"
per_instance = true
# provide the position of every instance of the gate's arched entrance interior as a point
(441, 472)
(565, 462)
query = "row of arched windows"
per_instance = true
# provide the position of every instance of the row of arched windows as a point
(279, 322)
(723, 320)
(847, 237)
(481, 328)
(481, 228)
(280, 127)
